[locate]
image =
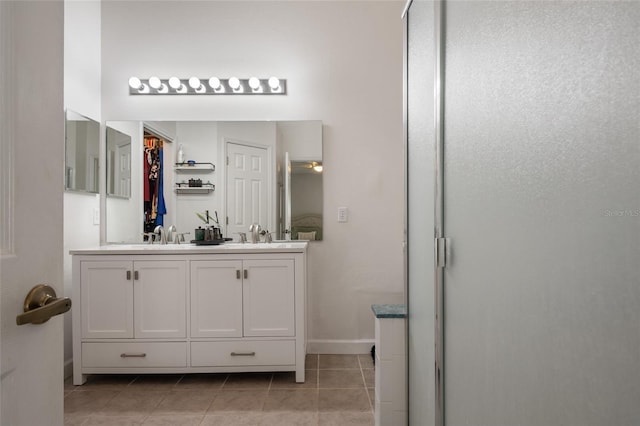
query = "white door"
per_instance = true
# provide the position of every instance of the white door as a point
(123, 155)
(542, 164)
(160, 297)
(31, 200)
(106, 299)
(247, 187)
(268, 298)
(216, 298)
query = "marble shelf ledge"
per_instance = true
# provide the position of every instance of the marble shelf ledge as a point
(389, 311)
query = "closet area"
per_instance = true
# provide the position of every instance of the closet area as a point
(153, 181)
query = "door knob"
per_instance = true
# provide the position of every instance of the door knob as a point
(41, 304)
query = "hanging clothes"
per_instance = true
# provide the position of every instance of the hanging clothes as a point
(152, 177)
(161, 208)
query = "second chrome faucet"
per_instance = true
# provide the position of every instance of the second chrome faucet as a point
(255, 232)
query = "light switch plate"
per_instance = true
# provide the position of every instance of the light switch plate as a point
(96, 216)
(343, 214)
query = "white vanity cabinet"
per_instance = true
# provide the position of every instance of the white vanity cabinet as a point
(243, 298)
(250, 305)
(125, 299)
(216, 298)
(190, 309)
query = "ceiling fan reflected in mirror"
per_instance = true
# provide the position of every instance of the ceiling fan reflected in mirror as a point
(306, 167)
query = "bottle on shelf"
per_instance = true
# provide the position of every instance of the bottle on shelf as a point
(180, 155)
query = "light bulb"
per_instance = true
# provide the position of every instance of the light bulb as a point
(317, 168)
(194, 82)
(234, 83)
(254, 83)
(175, 83)
(135, 83)
(155, 82)
(274, 83)
(214, 82)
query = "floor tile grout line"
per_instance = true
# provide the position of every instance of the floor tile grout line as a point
(268, 388)
(318, 373)
(364, 380)
(179, 380)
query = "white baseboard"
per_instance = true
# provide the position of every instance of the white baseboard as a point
(340, 347)
(68, 368)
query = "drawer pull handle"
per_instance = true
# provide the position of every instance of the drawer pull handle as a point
(142, 355)
(243, 354)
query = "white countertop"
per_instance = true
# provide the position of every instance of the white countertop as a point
(275, 247)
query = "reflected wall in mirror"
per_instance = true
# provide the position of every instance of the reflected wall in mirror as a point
(118, 164)
(306, 200)
(82, 153)
(302, 213)
(240, 167)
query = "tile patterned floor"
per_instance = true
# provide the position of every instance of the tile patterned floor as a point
(338, 391)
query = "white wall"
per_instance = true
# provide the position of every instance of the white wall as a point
(81, 94)
(199, 142)
(343, 65)
(300, 139)
(82, 76)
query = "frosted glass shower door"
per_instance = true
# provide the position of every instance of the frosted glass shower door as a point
(542, 205)
(420, 213)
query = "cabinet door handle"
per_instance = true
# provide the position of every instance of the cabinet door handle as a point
(238, 274)
(140, 355)
(246, 274)
(243, 354)
(128, 275)
(136, 275)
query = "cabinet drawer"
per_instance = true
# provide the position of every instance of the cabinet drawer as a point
(228, 354)
(159, 354)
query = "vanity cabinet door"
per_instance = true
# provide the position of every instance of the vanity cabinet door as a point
(269, 298)
(106, 293)
(160, 295)
(216, 298)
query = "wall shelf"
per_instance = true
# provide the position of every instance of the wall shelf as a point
(184, 188)
(194, 190)
(195, 168)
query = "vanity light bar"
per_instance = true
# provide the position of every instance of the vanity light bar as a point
(207, 86)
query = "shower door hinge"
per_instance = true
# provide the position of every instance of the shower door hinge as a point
(443, 252)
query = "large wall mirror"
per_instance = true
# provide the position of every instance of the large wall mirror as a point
(240, 173)
(118, 164)
(82, 153)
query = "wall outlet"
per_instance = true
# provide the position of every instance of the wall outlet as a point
(96, 216)
(343, 214)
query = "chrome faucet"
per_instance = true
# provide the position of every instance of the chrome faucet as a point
(172, 235)
(159, 230)
(180, 237)
(255, 233)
